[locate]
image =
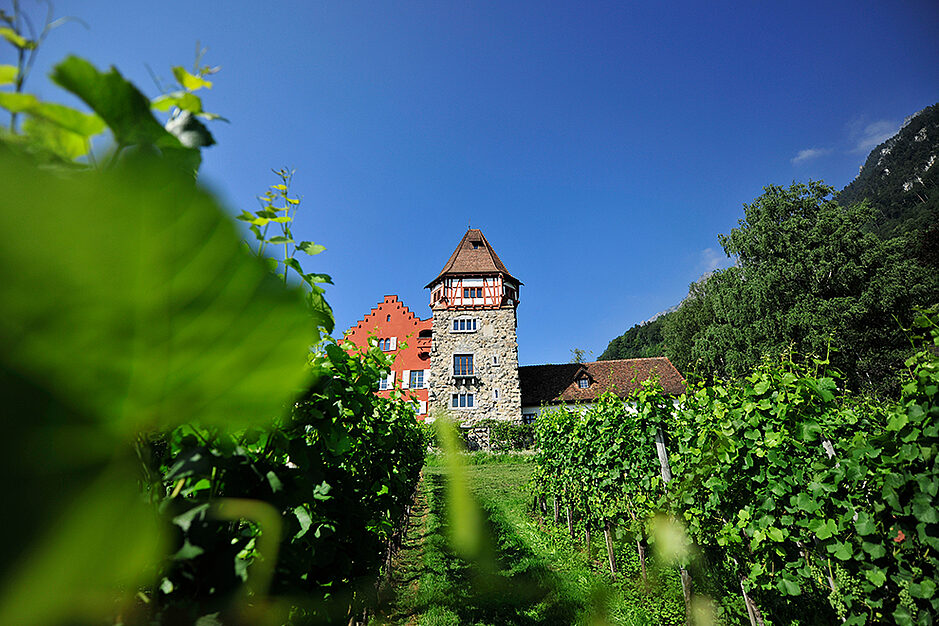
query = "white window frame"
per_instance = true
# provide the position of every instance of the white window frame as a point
(463, 401)
(466, 322)
(413, 376)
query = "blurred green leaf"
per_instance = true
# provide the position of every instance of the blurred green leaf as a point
(7, 74)
(68, 118)
(149, 315)
(61, 141)
(16, 39)
(189, 81)
(104, 541)
(17, 102)
(123, 108)
(180, 99)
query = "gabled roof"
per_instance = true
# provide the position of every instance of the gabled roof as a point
(468, 260)
(554, 384)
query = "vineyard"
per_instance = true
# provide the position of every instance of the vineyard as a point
(780, 498)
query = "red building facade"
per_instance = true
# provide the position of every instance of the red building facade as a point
(405, 336)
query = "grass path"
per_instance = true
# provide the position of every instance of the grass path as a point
(522, 573)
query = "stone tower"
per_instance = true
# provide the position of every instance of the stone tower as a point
(474, 357)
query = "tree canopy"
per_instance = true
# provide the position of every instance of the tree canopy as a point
(810, 276)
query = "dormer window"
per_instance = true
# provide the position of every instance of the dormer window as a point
(476, 245)
(583, 383)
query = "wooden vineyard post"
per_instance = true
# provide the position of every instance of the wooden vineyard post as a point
(609, 545)
(556, 511)
(587, 529)
(666, 478)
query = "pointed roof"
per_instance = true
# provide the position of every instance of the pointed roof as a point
(473, 257)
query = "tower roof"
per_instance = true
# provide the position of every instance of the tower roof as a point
(473, 257)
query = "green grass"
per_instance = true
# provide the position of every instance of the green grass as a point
(521, 572)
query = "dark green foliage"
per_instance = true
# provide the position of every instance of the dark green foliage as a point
(338, 472)
(640, 341)
(810, 277)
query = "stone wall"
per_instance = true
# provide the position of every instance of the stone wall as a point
(494, 337)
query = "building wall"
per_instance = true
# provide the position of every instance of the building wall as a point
(494, 348)
(392, 320)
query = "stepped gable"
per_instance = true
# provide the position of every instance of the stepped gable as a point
(473, 260)
(554, 384)
(372, 322)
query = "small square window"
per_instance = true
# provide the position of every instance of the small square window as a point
(583, 383)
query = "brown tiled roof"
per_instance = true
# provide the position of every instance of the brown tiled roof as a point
(554, 384)
(469, 261)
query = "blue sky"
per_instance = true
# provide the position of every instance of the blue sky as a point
(601, 147)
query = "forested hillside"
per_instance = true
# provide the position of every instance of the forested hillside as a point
(900, 178)
(817, 272)
(642, 340)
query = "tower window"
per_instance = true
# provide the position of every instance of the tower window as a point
(387, 318)
(495, 394)
(495, 359)
(461, 400)
(472, 292)
(464, 325)
(462, 364)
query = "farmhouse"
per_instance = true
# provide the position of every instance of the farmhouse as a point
(464, 357)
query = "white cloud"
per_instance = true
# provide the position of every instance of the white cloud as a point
(712, 259)
(869, 136)
(808, 154)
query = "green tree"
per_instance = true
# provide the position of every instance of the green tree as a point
(809, 276)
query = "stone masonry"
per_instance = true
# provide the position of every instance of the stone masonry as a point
(495, 365)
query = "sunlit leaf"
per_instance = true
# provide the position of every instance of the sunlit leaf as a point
(188, 81)
(123, 108)
(7, 74)
(180, 99)
(310, 248)
(83, 124)
(58, 140)
(17, 102)
(16, 39)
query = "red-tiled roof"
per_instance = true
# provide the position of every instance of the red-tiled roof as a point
(470, 260)
(554, 384)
